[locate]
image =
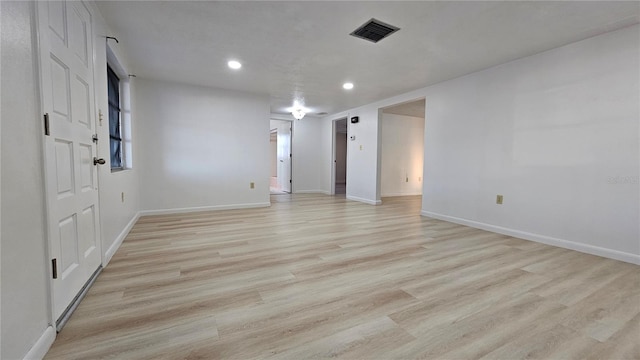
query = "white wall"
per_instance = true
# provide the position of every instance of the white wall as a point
(341, 158)
(548, 132)
(555, 133)
(0, 190)
(116, 215)
(362, 154)
(25, 306)
(325, 155)
(201, 147)
(274, 157)
(402, 156)
(307, 158)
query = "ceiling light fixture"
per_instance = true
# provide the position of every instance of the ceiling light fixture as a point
(347, 86)
(298, 113)
(235, 65)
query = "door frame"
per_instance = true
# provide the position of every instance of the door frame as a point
(334, 128)
(290, 157)
(45, 172)
(271, 132)
(291, 147)
(380, 149)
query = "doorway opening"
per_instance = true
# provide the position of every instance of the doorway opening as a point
(280, 150)
(339, 179)
(402, 149)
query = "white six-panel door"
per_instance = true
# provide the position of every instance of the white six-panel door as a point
(66, 61)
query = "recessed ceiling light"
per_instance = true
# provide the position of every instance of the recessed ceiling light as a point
(234, 64)
(347, 86)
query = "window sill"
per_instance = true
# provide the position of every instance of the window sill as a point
(117, 170)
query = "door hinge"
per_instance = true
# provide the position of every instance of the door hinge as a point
(94, 138)
(289, 181)
(290, 155)
(54, 268)
(46, 124)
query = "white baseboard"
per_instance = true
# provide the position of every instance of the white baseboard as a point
(40, 348)
(366, 201)
(203, 208)
(401, 194)
(116, 244)
(311, 192)
(572, 245)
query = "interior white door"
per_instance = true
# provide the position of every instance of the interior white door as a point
(284, 158)
(66, 64)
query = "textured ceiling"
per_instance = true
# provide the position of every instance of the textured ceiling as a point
(302, 50)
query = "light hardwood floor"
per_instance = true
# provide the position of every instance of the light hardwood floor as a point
(317, 276)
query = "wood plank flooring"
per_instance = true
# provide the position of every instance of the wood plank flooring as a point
(317, 276)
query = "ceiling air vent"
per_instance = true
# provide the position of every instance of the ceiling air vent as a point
(374, 30)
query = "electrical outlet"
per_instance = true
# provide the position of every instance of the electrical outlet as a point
(499, 199)
(252, 185)
(122, 196)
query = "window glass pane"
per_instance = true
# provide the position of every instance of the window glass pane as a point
(115, 137)
(114, 87)
(116, 160)
(114, 122)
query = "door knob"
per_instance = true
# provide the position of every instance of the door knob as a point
(97, 161)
